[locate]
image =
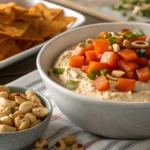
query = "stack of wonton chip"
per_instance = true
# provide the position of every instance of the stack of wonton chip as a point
(22, 28)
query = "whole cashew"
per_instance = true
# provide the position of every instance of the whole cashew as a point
(19, 120)
(69, 140)
(19, 100)
(60, 145)
(37, 105)
(41, 143)
(7, 128)
(36, 122)
(7, 103)
(4, 94)
(4, 88)
(40, 112)
(12, 96)
(24, 125)
(5, 111)
(6, 120)
(26, 107)
(31, 117)
(32, 96)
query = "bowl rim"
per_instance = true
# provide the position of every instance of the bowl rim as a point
(79, 96)
(38, 125)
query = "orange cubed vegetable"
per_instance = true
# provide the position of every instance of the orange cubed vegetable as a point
(109, 58)
(103, 34)
(76, 61)
(124, 84)
(143, 74)
(101, 45)
(142, 61)
(89, 47)
(78, 51)
(128, 66)
(130, 75)
(93, 65)
(91, 55)
(128, 54)
(101, 83)
(84, 68)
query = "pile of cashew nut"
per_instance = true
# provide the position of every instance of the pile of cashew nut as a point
(68, 142)
(20, 111)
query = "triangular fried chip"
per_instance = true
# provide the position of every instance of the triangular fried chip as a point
(49, 13)
(7, 16)
(5, 48)
(30, 34)
(66, 19)
(19, 10)
(4, 38)
(14, 50)
(17, 28)
(6, 5)
(23, 45)
(33, 12)
(49, 28)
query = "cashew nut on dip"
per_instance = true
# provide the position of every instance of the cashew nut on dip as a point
(20, 111)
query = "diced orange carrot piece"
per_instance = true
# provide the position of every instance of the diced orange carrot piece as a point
(89, 47)
(103, 34)
(142, 61)
(101, 45)
(143, 74)
(76, 61)
(101, 83)
(78, 51)
(93, 65)
(91, 55)
(124, 84)
(109, 58)
(128, 54)
(84, 68)
(128, 66)
(140, 38)
(130, 75)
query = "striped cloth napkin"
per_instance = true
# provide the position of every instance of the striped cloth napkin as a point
(60, 126)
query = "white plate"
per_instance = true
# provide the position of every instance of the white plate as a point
(67, 12)
(113, 15)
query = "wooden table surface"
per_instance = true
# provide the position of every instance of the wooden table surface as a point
(27, 65)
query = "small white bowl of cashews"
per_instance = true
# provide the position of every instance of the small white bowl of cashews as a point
(24, 117)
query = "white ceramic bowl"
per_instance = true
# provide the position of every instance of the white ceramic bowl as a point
(111, 119)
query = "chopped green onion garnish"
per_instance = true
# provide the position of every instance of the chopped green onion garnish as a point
(141, 52)
(129, 34)
(71, 84)
(138, 32)
(58, 70)
(112, 40)
(109, 35)
(135, 33)
(92, 75)
(103, 71)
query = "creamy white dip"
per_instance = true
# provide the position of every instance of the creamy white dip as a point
(85, 87)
